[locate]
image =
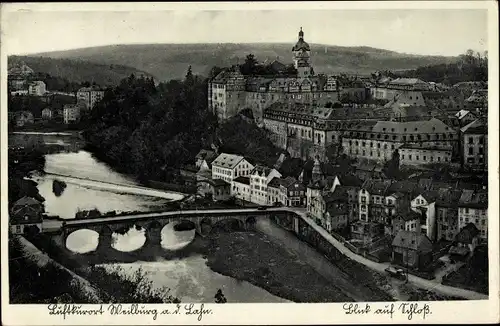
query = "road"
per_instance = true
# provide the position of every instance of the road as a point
(171, 213)
(432, 285)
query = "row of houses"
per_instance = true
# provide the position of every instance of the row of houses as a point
(412, 214)
(307, 131)
(85, 99)
(228, 175)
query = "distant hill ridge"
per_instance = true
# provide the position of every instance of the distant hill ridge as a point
(170, 61)
(78, 71)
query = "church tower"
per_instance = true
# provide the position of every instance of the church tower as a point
(301, 55)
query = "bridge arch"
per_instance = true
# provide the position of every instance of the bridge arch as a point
(250, 223)
(228, 224)
(185, 225)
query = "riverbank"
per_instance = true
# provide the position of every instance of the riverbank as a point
(253, 257)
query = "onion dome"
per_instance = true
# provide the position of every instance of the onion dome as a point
(301, 44)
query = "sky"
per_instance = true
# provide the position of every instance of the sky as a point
(428, 32)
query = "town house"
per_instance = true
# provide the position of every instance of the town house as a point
(473, 208)
(229, 166)
(412, 249)
(260, 177)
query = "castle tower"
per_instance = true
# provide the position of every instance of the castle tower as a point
(301, 55)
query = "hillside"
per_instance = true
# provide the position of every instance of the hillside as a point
(78, 71)
(170, 61)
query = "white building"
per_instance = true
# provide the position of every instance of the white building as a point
(90, 96)
(229, 166)
(425, 204)
(473, 208)
(37, 88)
(71, 113)
(259, 179)
(240, 188)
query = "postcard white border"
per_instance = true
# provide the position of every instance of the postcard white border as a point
(484, 311)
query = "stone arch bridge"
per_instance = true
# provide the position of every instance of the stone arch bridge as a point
(202, 221)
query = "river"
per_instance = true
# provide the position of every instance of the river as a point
(189, 278)
(92, 184)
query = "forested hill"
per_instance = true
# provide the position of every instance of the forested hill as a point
(170, 61)
(148, 130)
(78, 71)
(469, 67)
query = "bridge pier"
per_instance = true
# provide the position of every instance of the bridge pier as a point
(105, 238)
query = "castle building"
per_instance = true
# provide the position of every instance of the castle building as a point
(231, 92)
(418, 142)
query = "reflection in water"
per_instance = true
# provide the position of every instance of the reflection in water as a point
(76, 197)
(82, 241)
(83, 165)
(79, 196)
(190, 279)
(130, 241)
(175, 240)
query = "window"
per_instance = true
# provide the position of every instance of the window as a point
(471, 150)
(471, 140)
(425, 158)
(417, 157)
(409, 157)
(403, 157)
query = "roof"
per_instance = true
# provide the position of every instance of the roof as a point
(430, 195)
(227, 161)
(349, 180)
(263, 171)
(274, 183)
(448, 197)
(291, 182)
(409, 215)
(411, 127)
(226, 74)
(402, 187)
(475, 127)
(467, 234)
(220, 182)
(18, 216)
(412, 240)
(340, 194)
(306, 111)
(407, 81)
(301, 44)
(376, 187)
(26, 201)
(243, 180)
(92, 88)
(461, 114)
(474, 199)
(208, 155)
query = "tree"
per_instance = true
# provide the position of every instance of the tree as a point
(391, 167)
(189, 80)
(249, 67)
(214, 72)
